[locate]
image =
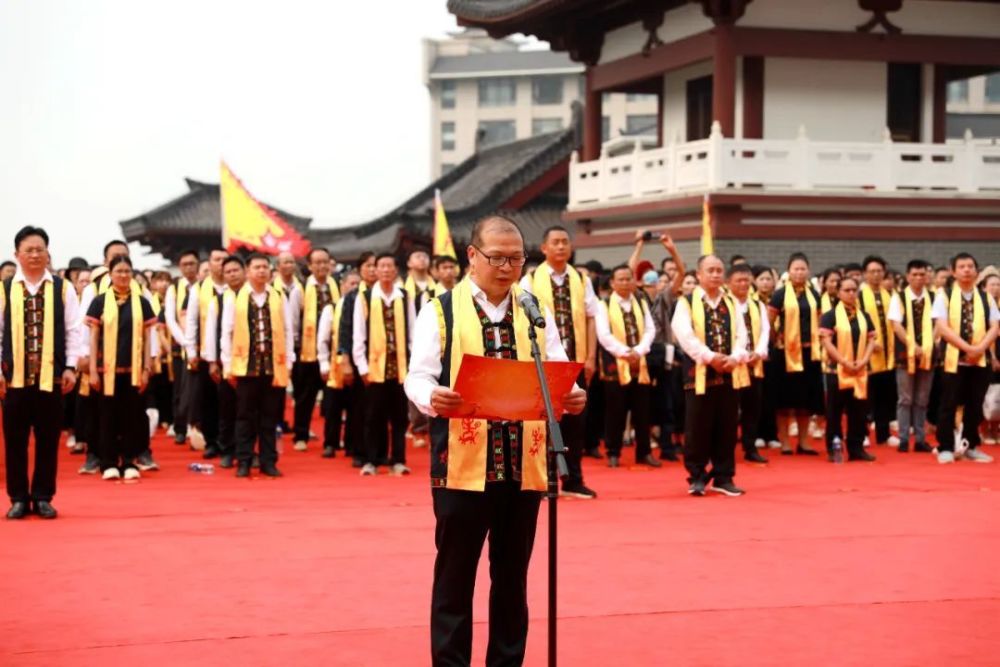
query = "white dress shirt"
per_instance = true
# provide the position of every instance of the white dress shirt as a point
(359, 350)
(72, 317)
(607, 339)
(293, 293)
(209, 352)
(170, 311)
(692, 346)
(229, 316)
(424, 371)
(323, 339)
(760, 349)
(191, 324)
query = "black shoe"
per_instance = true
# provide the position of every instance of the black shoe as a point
(594, 453)
(806, 451)
(180, 438)
(787, 452)
(270, 470)
(329, 453)
(651, 461)
(578, 490)
(697, 488)
(357, 462)
(612, 461)
(210, 452)
(753, 456)
(904, 447)
(243, 469)
(91, 466)
(18, 510)
(668, 455)
(861, 456)
(45, 510)
(923, 448)
(727, 489)
(226, 461)
(256, 462)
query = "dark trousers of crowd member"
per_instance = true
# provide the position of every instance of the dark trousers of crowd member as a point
(967, 388)
(69, 410)
(882, 402)
(841, 402)
(661, 412)
(934, 400)
(751, 399)
(355, 426)
(594, 417)
(205, 404)
(767, 427)
(180, 398)
(572, 428)
(305, 386)
(710, 433)
(678, 405)
(618, 401)
(227, 419)
(85, 420)
(335, 401)
(385, 406)
(27, 410)
(464, 519)
(123, 424)
(160, 392)
(258, 407)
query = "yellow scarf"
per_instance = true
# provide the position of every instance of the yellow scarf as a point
(926, 333)
(377, 345)
(753, 307)
(741, 377)
(310, 317)
(951, 354)
(279, 284)
(467, 446)
(180, 291)
(241, 336)
(541, 287)
(616, 318)
(336, 380)
(410, 287)
(826, 303)
(884, 359)
(793, 330)
(109, 338)
(845, 346)
(46, 380)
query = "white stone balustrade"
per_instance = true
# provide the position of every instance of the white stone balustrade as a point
(798, 166)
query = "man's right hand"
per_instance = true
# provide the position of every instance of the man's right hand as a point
(3, 388)
(444, 400)
(214, 372)
(95, 381)
(718, 362)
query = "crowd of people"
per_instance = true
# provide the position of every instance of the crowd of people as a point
(680, 364)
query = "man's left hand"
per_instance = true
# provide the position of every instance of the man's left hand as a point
(68, 380)
(589, 368)
(575, 401)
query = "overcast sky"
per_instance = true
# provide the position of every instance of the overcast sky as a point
(107, 105)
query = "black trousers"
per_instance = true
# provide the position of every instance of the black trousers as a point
(751, 400)
(205, 412)
(882, 399)
(710, 433)
(572, 428)
(838, 403)
(677, 397)
(355, 426)
(618, 401)
(85, 425)
(594, 416)
(306, 385)
(124, 426)
(661, 406)
(464, 519)
(258, 407)
(967, 388)
(335, 402)
(385, 406)
(934, 400)
(181, 394)
(227, 419)
(161, 389)
(767, 426)
(28, 410)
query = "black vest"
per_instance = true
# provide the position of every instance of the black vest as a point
(58, 329)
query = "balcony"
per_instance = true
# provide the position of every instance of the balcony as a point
(798, 166)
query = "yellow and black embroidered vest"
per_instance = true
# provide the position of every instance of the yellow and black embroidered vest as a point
(39, 361)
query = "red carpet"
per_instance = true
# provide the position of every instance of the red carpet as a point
(891, 563)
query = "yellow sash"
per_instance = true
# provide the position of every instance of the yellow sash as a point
(279, 284)
(616, 318)
(845, 346)
(241, 336)
(951, 354)
(467, 446)
(793, 330)
(310, 317)
(753, 307)
(741, 377)
(826, 303)
(109, 338)
(886, 358)
(410, 287)
(377, 345)
(47, 378)
(926, 333)
(180, 292)
(336, 379)
(541, 287)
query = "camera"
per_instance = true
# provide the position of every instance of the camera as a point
(647, 236)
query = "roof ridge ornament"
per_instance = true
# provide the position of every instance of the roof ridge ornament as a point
(879, 9)
(652, 19)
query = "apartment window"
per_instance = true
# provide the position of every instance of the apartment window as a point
(605, 128)
(447, 94)
(497, 92)
(496, 132)
(640, 97)
(446, 167)
(993, 87)
(958, 91)
(547, 89)
(640, 124)
(448, 136)
(545, 125)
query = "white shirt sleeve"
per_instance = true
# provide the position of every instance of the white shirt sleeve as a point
(191, 325)
(939, 311)
(648, 333)
(740, 353)
(209, 353)
(294, 302)
(323, 339)
(604, 335)
(73, 327)
(411, 316)
(895, 308)
(765, 331)
(358, 351)
(289, 332)
(994, 310)
(425, 361)
(170, 316)
(590, 299)
(554, 350)
(684, 333)
(226, 344)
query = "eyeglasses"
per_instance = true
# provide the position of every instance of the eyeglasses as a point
(848, 289)
(500, 260)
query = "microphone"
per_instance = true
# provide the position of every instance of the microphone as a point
(530, 307)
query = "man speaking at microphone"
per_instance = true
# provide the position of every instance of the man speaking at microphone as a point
(487, 477)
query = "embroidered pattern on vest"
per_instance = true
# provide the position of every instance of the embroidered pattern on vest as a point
(261, 344)
(391, 360)
(34, 320)
(563, 305)
(504, 437)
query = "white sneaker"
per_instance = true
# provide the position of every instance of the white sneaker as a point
(300, 446)
(71, 441)
(197, 439)
(817, 432)
(989, 440)
(893, 441)
(111, 473)
(170, 431)
(132, 473)
(400, 469)
(759, 443)
(367, 469)
(894, 425)
(793, 429)
(774, 444)
(973, 454)
(946, 457)
(867, 442)
(154, 420)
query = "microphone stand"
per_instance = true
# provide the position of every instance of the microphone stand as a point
(556, 469)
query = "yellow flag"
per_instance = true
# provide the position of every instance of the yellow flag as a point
(246, 223)
(442, 236)
(707, 247)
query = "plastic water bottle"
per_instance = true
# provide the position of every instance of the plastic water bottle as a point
(202, 468)
(837, 453)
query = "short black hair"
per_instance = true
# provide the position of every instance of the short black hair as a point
(234, 258)
(553, 228)
(476, 238)
(118, 259)
(916, 264)
(737, 259)
(6, 263)
(741, 267)
(317, 249)
(440, 260)
(829, 272)
(759, 269)
(383, 255)
(416, 250)
(186, 253)
(845, 279)
(796, 256)
(215, 250)
(963, 255)
(365, 256)
(873, 259)
(853, 266)
(618, 268)
(27, 231)
(702, 258)
(111, 244)
(255, 256)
